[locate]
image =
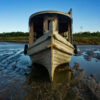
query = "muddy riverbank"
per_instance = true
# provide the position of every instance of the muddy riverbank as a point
(17, 82)
(77, 87)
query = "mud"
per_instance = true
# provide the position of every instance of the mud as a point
(17, 80)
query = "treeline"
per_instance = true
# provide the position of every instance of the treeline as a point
(87, 34)
(87, 38)
(11, 34)
(80, 34)
(78, 38)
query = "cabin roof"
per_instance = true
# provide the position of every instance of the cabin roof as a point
(41, 14)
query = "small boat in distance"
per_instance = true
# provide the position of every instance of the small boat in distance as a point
(50, 39)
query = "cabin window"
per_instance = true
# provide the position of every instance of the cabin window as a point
(63, 29)
(38, 29)
(49, 22)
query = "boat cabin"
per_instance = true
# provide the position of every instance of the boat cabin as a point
(45, 22)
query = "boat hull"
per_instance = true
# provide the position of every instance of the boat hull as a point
(51, 51)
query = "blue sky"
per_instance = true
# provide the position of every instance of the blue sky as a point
(14, 14)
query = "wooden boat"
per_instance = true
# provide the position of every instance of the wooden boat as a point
(50, 39)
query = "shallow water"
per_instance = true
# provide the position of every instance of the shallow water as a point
(89, 59)
(13, 65)
(14, 68)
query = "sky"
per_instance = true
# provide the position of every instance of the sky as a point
(14, 14)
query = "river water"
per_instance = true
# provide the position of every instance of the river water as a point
(14, 68)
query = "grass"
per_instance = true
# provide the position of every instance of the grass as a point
(14, 38)
(87, 40)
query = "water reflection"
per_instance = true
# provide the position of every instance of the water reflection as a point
(42, 89)
(40, 73)
(62, 73)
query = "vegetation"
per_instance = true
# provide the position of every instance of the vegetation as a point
(79, 38)
(14, 37)
(87, 38)
(11, 34)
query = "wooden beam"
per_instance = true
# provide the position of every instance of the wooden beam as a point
(71, 32)
(31, 34)
(45, 24)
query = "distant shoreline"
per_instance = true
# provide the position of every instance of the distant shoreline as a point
(86, 43)
(84, 38)
(14, 41)
(24, 41)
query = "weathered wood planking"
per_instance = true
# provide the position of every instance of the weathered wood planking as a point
(43, 58)
(39, 47)
(60, 57)
(51, 50)
(47, 41)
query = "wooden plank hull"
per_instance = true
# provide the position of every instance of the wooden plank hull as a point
(51, 52)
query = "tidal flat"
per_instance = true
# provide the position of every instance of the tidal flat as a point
(79, 80)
